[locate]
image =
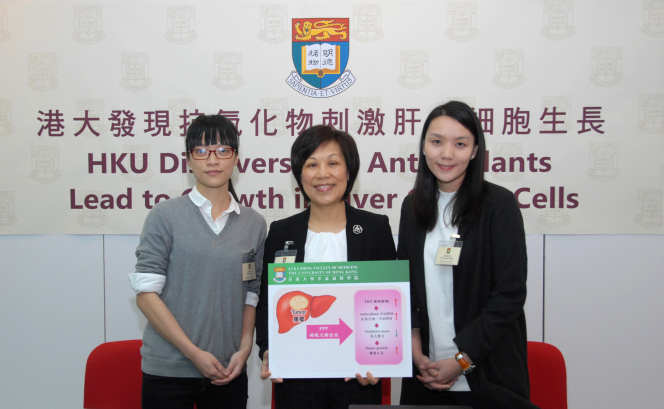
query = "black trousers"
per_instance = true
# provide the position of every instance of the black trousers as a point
(160, 392)
(413, 392)
(324, 394)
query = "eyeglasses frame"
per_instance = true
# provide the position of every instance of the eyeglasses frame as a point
(191, 153)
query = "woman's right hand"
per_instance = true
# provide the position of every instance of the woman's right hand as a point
(207, 364)
(265, 369)
(429, 373)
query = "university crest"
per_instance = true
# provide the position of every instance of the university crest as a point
(45, 160)
(5, 117)
(558, 19)
(4, 34)
(87, 20)
(649, 207)
(651, 112)
(43, 68)
(7, 218)
(603, 161)
(653, 16)
(320, 55)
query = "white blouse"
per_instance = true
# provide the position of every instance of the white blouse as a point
(325, 247)
(440, 292)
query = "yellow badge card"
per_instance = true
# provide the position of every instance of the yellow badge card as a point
(249, 271)
(284, 259)
(448, 253)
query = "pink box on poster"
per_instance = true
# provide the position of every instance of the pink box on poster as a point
(378, 327)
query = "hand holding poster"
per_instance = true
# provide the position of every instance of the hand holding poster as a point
(333, 320)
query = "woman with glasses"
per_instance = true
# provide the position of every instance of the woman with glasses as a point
(325, 163)
(197, 281)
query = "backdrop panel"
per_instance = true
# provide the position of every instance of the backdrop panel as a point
(94, 99)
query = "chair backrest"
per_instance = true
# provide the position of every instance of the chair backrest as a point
(548, 376)
(113, 376)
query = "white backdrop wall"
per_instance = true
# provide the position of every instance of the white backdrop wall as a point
(94, 98)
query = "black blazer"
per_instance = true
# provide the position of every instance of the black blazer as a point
(489, 293)
(375, 242)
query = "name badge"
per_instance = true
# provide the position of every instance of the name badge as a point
(249, 266)
(448, 253)
(285, 255)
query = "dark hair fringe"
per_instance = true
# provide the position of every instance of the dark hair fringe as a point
(469, 199)
(311, 139)
(224, 132)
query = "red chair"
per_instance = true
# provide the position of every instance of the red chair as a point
(113, 376)
(548, 376)
(385, 393)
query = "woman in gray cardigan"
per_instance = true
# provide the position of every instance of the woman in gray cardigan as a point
(197, 280)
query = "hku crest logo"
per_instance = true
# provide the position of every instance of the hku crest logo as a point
(87, 21)
(95, 108)
(90, 218)
(5, 117)
(45, 160)
(606, 62)
(651, 112)
(176, 108)
(603, 161)
(4, 34)
(135, 70)
(138, 156)
(461, 20)
(274, 24)
(320, 55)
(276, 212)
(504, 167)
(414, 67)
(367, 18)
(653, 15)
(43, 69)
(649, 207)
(409, 152)
(361, 107)
(7, 218)
(227, 70)
(562, 103)
(554, 218)
(558, 19)
(181, 24)
(277, 108)
(508, 65)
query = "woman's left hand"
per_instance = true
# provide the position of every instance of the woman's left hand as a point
(369, 380)
(234, 368)
(447, 373)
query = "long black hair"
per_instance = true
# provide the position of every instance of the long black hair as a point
(317, 136)
(468, 200)
(215, 129)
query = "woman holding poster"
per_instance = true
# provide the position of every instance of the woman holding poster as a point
(196, 281)
(325, 163)
(465, 242)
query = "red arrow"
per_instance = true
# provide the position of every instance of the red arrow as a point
(397, 350)
(341, 331)
(395, 302)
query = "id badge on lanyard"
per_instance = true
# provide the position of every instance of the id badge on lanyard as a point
(449, 251)
(249, 266)
(285, 255)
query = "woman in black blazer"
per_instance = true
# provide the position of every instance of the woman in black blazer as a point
(476, 346)
(325, 163)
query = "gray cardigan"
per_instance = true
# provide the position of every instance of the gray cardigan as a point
(204, 289)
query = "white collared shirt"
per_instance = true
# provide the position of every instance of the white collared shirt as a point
(143, 282)
(205, 206)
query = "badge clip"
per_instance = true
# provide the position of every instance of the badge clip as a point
(285, 255)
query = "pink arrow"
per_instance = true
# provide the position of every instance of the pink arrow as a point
(341, 331)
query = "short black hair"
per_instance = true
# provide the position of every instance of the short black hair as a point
(317, 136)
(223, 132)
(219, 127)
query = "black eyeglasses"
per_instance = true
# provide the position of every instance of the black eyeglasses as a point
(204, 154)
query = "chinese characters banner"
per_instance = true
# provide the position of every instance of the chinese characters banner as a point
(95, 100)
